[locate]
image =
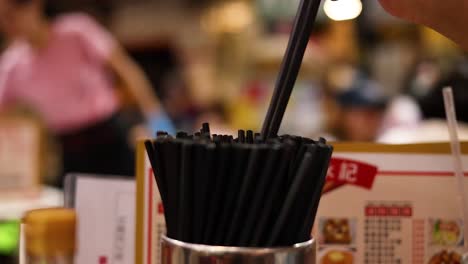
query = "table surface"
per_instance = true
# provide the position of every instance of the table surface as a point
(14, 208)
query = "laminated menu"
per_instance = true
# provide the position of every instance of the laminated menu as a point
(390, 204)
(105, 206)
(381, 204)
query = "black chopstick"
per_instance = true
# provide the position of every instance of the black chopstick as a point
(216, 201)
(304, 234)
(241, 136)
(278, 228)
(245, 194)
(291, 64)
(186, 189)
(206, 130)
(271, 206)
(306, 188)
(171, 159)
(241, 155)
(252, 213)
(157, 173)
(204, 188)
(250, 137)
(160, 170)
(199, 153)
(181, 135)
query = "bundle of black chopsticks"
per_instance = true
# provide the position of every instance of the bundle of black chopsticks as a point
(247, 191)
(258, 190)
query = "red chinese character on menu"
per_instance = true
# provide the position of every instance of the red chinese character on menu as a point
(370, 211)
(346, 171)
(407, 211)
(394, 211)
(102, 260)
(382, 211)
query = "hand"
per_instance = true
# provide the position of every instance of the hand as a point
(160, 122)
(447, 17)
(157, 122)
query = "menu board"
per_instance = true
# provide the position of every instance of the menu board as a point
(381, 204)
(106, 214)
(19, 155)
(390, 207)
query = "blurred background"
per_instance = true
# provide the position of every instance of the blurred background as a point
(365, 77)
(217, 61)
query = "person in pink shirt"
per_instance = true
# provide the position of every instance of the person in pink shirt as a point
(64, 69)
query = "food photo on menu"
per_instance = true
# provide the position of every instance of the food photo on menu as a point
(446, 257)
(336, 231)
(446, 232)
(337, 256)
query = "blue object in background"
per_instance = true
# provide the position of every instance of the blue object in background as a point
(161, 122)
(362, 92)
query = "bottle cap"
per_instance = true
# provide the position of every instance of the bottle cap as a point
(50, 232)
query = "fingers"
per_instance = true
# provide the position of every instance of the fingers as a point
(448, 16)
(407, 9)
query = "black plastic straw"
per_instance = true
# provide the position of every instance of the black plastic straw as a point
(291, 64)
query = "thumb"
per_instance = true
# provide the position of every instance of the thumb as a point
(406, 9)
(448, 17)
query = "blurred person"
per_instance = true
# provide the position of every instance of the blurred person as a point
(447, 17)
(178, 102)
(354, 105)
(165, 70)
(424, 76)
(63, 68)
(433, 126)
(403, 110)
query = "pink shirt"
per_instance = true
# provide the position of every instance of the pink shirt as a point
(67, 82)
